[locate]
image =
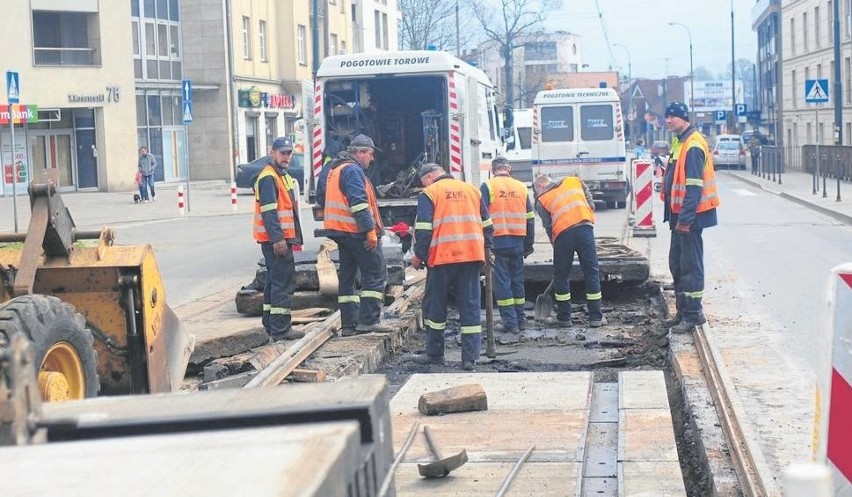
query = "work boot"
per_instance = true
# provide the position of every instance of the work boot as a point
(597, 323)
(428, 360)
(668, 323)
(552, 322)
(351, 332)
(511, 328)
(469, 365)
(378, 327)
(290, 335)
(687, 325)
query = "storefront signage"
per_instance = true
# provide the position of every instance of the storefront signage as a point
(111, 94)
(20, 114)
(254, 98)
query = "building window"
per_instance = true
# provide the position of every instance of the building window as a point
(261, 34)
(301, 42)
(385, 30)
(377, 28)
(830, 24)
(271, 130)
(847, 81)
(332, 44)
(251, 138)
(793, 35)
(246, 38)
(805, 31)
(793, 85)
(62, 39)
(343, 49)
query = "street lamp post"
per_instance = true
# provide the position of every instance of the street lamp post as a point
(691, 73)
(630, 111)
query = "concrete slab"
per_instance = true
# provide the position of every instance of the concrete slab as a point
(601, 451)
(604, 403)
(505, 391)
(473, 479)
(646, 435)
(641, 479)
(642, 390)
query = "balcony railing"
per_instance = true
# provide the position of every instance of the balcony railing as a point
(61, 56)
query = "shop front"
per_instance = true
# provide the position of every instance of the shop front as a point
(264, 114)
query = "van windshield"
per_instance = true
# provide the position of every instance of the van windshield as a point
(596, 122)
(557, 124)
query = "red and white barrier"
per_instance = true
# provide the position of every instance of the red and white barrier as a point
(181, 206)
(833, 430)
(234, 196)
(643, 189)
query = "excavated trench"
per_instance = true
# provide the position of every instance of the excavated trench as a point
(633, 339)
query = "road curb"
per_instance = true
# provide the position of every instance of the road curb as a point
(839, 216)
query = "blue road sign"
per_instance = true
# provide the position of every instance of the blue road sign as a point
(186, 90)
(742, 110)
(187, 112)
(13, 87)
(816, 91)
(719, 115)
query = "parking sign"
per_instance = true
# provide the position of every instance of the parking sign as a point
(719, 115)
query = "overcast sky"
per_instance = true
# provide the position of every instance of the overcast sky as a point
(642, 26)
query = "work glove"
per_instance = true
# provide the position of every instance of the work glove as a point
(280, 247)
(416, 263)
(372, 241)
(528, 251)
(682, 228)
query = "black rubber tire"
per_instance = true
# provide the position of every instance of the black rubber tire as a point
(46, 321)
(620, 204)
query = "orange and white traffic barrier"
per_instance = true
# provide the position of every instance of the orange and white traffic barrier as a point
(180, 202)
(807, 480)
(832, 429)
(643, 188)
(234, 196)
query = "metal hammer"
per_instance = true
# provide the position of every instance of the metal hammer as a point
(442, 466)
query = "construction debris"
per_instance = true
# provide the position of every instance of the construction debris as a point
(462, 398)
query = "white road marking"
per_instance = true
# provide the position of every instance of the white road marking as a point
(743, 192)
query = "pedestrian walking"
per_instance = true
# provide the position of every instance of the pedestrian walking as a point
(690, 197)
(147, 166)
(514, 235)
(351, 217)
(453, 234)
(754, 148)
(567, 212)
(278, 230)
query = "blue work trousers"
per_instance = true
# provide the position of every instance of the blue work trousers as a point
(579, 239)
(508, 280)
(278, 290)
(686, 262)
(366, 308)
(463, 279)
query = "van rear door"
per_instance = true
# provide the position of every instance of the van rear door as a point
(557, 143)
(597, 135)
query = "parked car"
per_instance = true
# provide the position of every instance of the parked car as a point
(247, 174)
(729, 153)
(660, 147)
(730, 138)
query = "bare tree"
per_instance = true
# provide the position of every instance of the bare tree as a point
(433, 22)
(507, 25)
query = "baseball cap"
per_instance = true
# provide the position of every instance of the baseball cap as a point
(499, 160)
(282, 144)
(364, 141)
(678, 109)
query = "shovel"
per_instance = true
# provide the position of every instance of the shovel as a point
(543, 304)
(442, 465)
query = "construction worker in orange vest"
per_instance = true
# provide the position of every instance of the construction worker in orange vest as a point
(514, 235)
(453, 234)
(567, 212)
(690, 197)
(277, 229)
(351, 218)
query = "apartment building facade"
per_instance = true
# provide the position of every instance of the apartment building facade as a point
(73, 63)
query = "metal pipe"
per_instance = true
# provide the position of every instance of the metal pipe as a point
(389, 477)
(511, 476)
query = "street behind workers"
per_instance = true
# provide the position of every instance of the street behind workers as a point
(277, 229)
(453, 234)
(351, 216)
(567, 213)
(514, 236)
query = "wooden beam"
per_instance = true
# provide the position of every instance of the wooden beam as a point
(462, 398)
(307, 375)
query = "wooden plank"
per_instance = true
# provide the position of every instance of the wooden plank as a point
(307, 375)
(281, 367)
(462, 398)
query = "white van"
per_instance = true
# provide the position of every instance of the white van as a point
(519, 144)
(580, 132)
(417, 106)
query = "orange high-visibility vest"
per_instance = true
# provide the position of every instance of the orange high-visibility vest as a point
(567, 205)
(709, 190)
(508, 206)
(457, 234)
(337, 213)
(286, 217)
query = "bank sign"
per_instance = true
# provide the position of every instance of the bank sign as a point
(19, 114)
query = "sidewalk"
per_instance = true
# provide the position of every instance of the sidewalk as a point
(92, 210)
(798, 187)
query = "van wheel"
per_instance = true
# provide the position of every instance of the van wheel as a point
(63, 346)
(621, 204)
(610, 204)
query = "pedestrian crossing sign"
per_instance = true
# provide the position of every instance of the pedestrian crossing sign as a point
(187, 112)
(816, 91)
